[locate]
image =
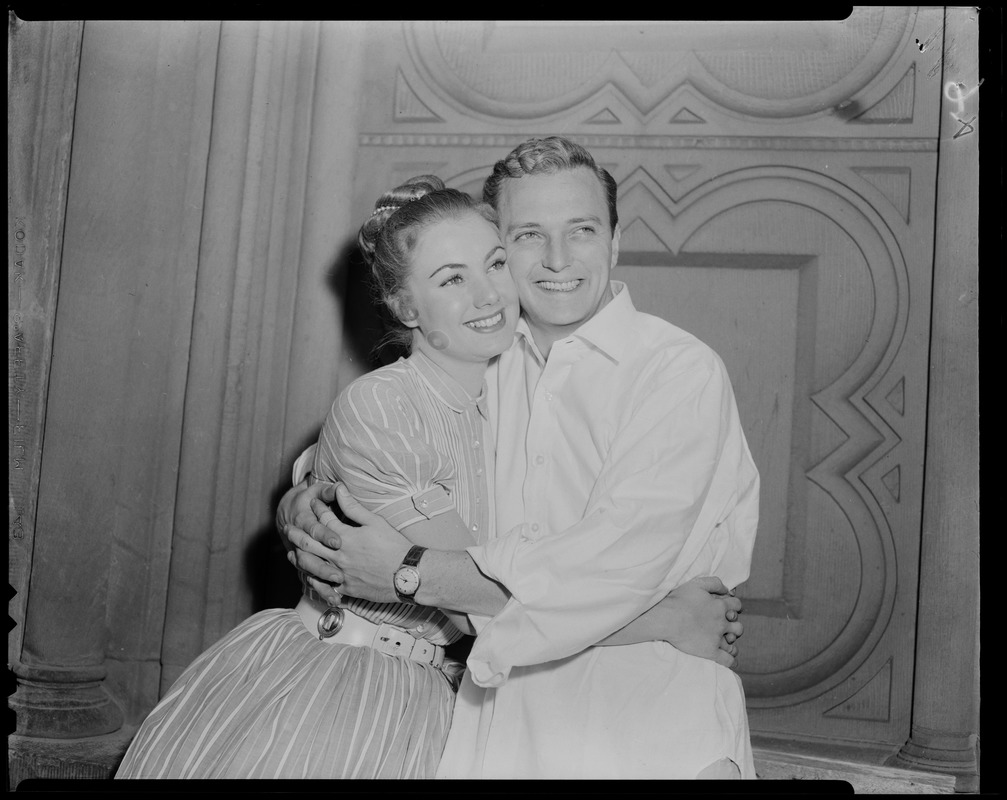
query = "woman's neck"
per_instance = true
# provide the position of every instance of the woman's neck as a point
(468, 374)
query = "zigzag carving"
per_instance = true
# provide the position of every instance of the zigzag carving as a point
(526, 78)
(654, 220)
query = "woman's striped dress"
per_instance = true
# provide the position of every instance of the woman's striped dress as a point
(269, 700)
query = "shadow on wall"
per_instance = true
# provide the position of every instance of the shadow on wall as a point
(273, 582)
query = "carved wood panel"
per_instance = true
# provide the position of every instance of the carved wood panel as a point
(776, 198)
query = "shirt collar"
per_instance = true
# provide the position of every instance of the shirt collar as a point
(610, 330)
(444, 387)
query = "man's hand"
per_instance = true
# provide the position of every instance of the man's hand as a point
(368, 553)
(295, 519)
(703, 620)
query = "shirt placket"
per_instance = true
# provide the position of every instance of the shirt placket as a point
(541, 442)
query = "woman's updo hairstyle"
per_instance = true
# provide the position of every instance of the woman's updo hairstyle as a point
(389, 235)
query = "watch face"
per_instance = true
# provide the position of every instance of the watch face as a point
(407, 581)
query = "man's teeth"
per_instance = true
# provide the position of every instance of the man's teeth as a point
(555, 286)
(489, 322)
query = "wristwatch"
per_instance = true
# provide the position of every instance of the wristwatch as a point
(407, 578)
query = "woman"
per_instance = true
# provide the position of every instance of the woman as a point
(365, 691)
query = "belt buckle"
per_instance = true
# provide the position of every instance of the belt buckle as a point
(330, 623)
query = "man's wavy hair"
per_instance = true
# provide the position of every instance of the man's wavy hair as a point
(546, 156)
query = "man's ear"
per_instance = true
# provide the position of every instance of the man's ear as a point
(404, 311)
(616, 234)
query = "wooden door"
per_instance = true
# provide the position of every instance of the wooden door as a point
(776, 190)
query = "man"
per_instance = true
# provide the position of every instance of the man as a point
(621, 472)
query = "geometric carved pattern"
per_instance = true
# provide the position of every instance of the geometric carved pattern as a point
(679, 172)
(532, 70)
(893, 182)
(871, 702)
(759, 200)
(726, 240)
(896, 106)
(897, 397)
(893, 481)
(591, 141)
(604, 117)
(686, 116)
(409, 107)
(639, 237)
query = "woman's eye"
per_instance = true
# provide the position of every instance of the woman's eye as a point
(451, 280)
(499, 264)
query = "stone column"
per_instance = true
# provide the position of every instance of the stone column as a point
(113, 410)
(946, 689)
(59, 672)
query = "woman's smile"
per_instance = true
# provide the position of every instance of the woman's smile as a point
(490, 324)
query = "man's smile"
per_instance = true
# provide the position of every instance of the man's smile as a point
(559, 286)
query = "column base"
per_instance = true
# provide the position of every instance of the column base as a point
(91, 758)
(951, 754)
(63, 703)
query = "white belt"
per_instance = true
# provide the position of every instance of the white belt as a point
(360, 632)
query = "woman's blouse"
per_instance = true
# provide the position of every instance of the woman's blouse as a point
(409, 443)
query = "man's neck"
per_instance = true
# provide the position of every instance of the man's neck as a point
(546, 335)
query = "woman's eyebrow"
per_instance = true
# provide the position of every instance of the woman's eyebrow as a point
(448, 266)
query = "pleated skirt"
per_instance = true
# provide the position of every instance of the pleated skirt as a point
(269, 700)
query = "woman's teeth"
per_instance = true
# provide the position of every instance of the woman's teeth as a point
(555, 286)
(489, 322)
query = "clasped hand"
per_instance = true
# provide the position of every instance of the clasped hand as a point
(358, 558)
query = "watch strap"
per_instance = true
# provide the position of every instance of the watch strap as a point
(413, 556)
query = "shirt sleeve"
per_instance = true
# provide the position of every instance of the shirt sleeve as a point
(677, 497)
(303, 465)
(374, 442)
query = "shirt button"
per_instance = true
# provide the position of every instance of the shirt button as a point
(424, 502)
(475, 527)
(479, 471)
(539, 460)
(421, 627)
(534, 527)
(476, 442)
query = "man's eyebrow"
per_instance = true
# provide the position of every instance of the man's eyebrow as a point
(572, 221)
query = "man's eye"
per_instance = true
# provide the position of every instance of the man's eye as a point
(525, 235)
